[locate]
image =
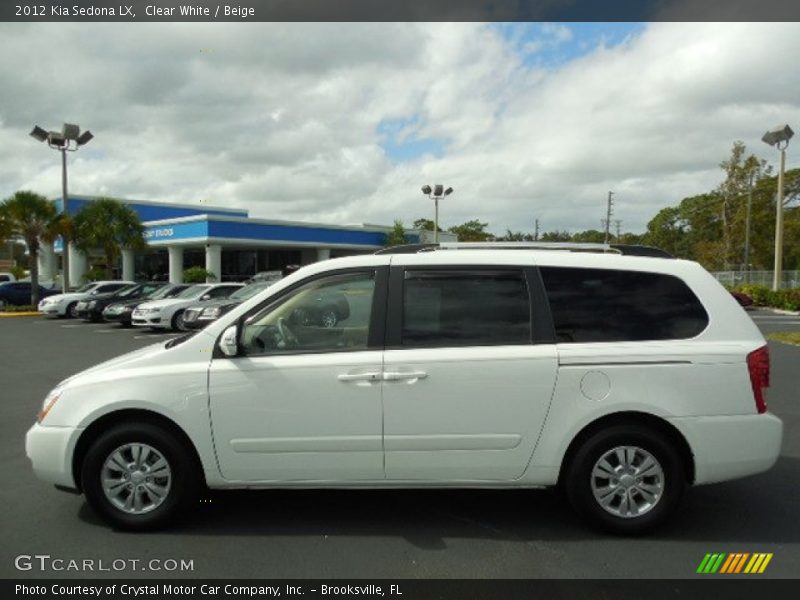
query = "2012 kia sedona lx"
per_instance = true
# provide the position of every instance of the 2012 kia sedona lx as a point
(622, 379)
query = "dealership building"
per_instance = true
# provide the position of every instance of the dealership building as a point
(225, 241)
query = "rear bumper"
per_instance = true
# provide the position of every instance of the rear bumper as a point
(50, 452)
(732, 446)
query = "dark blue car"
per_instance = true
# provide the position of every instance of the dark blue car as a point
(18, 293)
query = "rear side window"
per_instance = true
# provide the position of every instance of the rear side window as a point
(604, 305)
(465, 308)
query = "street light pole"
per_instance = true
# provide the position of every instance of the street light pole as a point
(64, 241)
(777, 276)
(68, 140)
(779, 137)
(436, 193)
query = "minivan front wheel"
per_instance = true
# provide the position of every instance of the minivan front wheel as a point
(137, 476)
(625, 479)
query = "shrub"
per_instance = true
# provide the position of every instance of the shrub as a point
(13, 309)
(759, 293)
(95, 274)
(197, 275)
(18, 272)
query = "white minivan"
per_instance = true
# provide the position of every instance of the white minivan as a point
(621, 379)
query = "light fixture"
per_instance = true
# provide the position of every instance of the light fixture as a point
(436, 193)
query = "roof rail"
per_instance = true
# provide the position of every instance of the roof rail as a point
(571, 246)
(624, 249)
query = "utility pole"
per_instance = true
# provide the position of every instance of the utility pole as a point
(747, 228)
(536, 231)
(617, 224)
(609, 212)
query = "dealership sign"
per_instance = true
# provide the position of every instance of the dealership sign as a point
(164, 232)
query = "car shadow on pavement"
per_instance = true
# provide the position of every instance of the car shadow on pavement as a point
(759, 509)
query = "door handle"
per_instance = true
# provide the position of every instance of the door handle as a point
(371, 376)
(402, 376)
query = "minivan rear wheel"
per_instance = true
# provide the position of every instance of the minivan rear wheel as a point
(138, 476)
(626, 479)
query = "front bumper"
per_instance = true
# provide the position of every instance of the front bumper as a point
(50, 452)
(51, 309)
(124, 317)
(730, 447)
(146, 320)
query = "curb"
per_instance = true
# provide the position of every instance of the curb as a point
(19, 314)
(780, 311)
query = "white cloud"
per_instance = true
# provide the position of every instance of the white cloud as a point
(283, 118)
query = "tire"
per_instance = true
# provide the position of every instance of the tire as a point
(177, 322)
(71, 311)
(180, 487)
(661, 486)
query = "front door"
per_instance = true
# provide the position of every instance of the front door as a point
(303, 401)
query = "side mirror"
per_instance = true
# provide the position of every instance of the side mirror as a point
(228, 342)
(204, 298)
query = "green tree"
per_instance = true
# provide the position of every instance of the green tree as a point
(472, 231)
(6, 228)
(425, 225)
(556, 236)
(109, 225)
(198, 275)
(29, 215)
(397, 236)
(515, 236)
(590, 236)
(63, 226)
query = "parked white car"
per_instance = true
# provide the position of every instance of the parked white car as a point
(65, 305)
(168, 313)
(621, 379)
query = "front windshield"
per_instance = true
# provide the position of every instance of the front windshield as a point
(249, 291)
(160, 291)
(193, 291)
(86, 287)
(129, 291)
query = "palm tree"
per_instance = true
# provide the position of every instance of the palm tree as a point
(109, 225)
(62, 226)
(29, 215)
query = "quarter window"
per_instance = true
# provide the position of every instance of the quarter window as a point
(606, 305)
(328, 314)
(465, 308)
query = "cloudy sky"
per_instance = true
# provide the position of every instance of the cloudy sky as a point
(344, 122)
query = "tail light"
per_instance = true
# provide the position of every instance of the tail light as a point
(758, 366)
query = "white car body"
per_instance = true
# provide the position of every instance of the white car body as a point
(159, 314)
(59, 304)
(483, 416)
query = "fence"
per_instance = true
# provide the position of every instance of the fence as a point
(789, 279)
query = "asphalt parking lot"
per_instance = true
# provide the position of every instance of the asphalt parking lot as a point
(376, 534)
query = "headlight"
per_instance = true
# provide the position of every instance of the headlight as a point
(115, 309)
(211, 312)
(48, 403)
(92, 304)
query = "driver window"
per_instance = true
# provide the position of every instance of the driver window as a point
(327, 314)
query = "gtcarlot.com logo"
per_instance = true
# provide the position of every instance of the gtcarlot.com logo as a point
(735, 562)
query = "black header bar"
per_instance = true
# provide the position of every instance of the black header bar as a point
(398, 10)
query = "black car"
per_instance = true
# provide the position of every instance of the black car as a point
(119, 311)
(197, 317)
(92, 310)
(18, 293)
